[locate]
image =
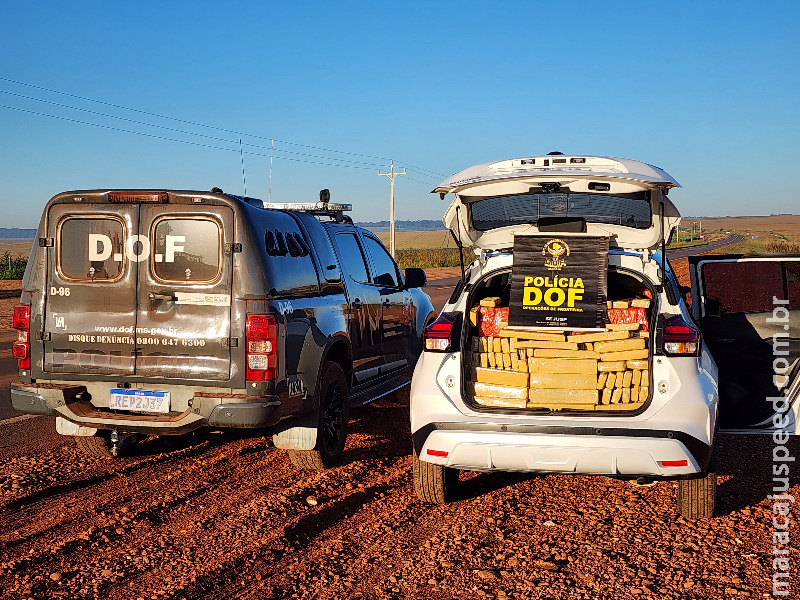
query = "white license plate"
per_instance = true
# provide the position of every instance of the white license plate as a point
(139, 400)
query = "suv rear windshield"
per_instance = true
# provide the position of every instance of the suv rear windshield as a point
(631, 210)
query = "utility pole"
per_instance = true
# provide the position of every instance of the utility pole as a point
(391, 175)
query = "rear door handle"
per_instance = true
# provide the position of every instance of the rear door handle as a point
(725, 340)
(162, 296)
(356, 303)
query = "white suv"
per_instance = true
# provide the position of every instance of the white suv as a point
(488, 396)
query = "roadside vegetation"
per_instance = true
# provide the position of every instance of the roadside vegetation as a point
(760, 246)
(12, 267)
(430, 258)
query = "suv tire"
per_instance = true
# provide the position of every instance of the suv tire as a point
(697, 497)
(334, 413)
(434, 484)
(98, 446)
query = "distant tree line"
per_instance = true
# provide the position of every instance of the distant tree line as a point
(421, 225)
(13, 232)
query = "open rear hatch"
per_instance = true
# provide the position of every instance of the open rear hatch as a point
(621, 202)
(619, 198)
(748, 309)
(138, 286)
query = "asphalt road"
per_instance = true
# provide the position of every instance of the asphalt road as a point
(703, 248)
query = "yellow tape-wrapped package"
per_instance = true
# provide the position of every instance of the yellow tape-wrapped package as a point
(532, 335)
(555, 353)
(497, 377)
(498, 391)
(624, 355)
(557, 396)
(564, 381)
(619, 345)
(546, 344)
(622, 326)
(501, 402)
(562, 365)
(599, 337)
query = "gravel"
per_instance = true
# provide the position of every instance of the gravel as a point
(227, 516)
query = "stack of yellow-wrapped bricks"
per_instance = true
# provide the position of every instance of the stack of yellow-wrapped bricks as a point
(561, 370)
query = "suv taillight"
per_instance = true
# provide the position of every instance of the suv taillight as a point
(262, 341)
(438, 336)
(680, 338)
(22, 347)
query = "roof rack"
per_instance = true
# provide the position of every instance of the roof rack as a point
(318, 209)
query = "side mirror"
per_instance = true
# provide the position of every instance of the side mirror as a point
(415, 278)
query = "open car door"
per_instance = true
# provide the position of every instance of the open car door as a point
(748, 310)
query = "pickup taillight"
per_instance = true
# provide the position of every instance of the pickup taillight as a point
(262, 343)
(21, 349)
(438, 336)
(680, 338)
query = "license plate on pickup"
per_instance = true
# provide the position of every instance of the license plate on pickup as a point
(138, 400)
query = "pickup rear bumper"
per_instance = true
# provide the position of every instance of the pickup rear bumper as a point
(71, 402)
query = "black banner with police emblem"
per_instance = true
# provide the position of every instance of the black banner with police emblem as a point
(559, 281)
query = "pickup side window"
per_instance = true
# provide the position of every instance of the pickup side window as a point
(186, 249)
(385, 269)
(352, 256)
(90, 248)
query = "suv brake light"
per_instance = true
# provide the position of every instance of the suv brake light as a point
(680, 338)
(21, 350)
(262, 341)
(438, 336)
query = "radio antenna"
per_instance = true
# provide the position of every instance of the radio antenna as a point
(271, 148)
(244, 178)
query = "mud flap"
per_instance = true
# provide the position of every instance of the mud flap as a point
(298, 433)
(65, 427)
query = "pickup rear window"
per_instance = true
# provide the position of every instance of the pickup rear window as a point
(631, 210)
(187, 249)
(88, 248)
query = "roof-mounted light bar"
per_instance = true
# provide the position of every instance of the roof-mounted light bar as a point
(309, 206)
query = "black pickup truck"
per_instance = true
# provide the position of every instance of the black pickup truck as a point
(159, 312)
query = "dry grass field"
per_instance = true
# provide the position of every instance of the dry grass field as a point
(15, 248)
(783, 225)
(419, 239)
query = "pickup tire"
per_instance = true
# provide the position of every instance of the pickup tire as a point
(98, 446)
(334, 412)
(434, 484)
(697, 497)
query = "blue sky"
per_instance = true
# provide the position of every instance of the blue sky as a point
(707, 91)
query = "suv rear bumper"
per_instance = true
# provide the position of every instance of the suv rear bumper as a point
(207, 410)
(615, 452)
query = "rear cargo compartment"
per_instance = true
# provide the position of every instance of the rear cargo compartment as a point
(560, 370)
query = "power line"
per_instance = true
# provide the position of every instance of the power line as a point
(187, 122)
(189, 142)
(424, 173)
(182, 131)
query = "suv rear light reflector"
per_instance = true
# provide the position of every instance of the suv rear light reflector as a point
(438, 335)
(21, 350)
(680, 338)
(673, 463)
(440, 453)
(262, 360)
